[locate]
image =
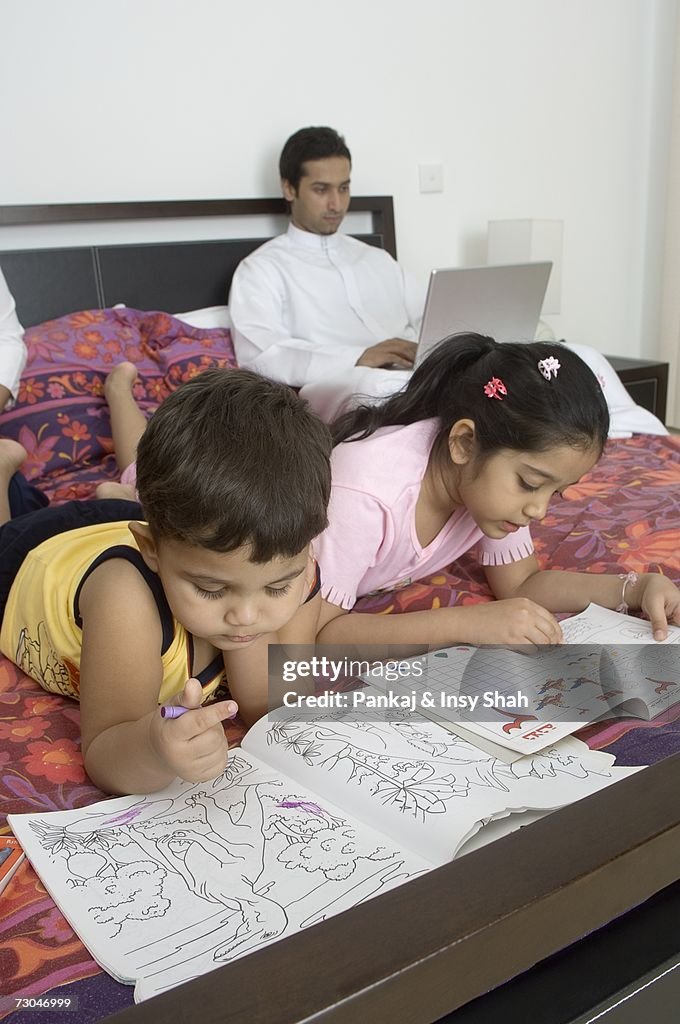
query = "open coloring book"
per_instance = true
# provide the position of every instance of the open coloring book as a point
(162, 888)
(609, 666)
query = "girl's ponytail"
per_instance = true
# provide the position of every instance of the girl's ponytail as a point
(429, 392)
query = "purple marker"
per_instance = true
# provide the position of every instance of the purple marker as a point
(173, 711)
(176, 710)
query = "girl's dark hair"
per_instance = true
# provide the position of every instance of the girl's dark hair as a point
(534, 415)
(233, 459)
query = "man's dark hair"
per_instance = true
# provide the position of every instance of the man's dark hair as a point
(232, 459)
(309, 144)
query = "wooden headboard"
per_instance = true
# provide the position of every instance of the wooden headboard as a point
(170, 276)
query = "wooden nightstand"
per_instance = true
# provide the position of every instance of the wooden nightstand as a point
(646, 381)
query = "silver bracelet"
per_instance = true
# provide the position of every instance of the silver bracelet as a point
(627, 577)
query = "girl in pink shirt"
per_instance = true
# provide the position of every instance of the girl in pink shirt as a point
(467, 455)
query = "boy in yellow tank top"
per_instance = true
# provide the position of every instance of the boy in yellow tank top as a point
(124, 607)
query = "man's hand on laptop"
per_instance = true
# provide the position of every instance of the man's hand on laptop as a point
(393, 353)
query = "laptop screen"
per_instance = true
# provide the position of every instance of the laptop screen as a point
(503, 302)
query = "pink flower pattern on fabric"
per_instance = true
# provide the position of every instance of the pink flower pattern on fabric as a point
(61, 416)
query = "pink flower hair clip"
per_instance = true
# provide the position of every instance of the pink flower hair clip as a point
(549, 367)
(495, 388)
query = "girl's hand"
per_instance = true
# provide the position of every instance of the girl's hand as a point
(193, 746)
(512, 621)
(659, 599)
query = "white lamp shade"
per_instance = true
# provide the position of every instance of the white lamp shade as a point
(530, 241)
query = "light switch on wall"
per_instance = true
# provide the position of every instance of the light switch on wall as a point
(431, 177)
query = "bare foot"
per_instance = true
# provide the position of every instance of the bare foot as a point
(12, 456)
(110, 489)
(121, 379)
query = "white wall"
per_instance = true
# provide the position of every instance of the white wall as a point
(670, 306)
(535, 108)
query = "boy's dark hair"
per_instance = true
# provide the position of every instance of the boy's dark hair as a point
(534, 415)
(233, 459)
(309, 144)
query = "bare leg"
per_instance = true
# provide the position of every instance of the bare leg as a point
(5, 395)
(12, 455)
(127, 419)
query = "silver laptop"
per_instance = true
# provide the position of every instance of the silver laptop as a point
(501, 301)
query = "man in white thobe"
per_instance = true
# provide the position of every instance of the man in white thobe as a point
(316, 308)
(12, 348)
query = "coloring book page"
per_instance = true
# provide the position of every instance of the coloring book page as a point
(165, 887)
(426, 788)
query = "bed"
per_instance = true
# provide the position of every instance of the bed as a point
(442, 941)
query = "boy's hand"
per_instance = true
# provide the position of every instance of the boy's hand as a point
(193, 746)
(659, 599)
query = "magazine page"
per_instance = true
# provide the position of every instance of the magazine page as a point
(525, 700)
(516, 701)
(638, 675)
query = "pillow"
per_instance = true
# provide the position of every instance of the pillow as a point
(626, 417)
(61, 416)
(208, 317)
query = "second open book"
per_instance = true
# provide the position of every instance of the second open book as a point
(309, 819)
(512, 704)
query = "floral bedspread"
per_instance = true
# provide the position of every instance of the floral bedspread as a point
(61, 417)
(624, 515)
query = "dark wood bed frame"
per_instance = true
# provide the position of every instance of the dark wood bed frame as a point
(429, 947)
(170, 276)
